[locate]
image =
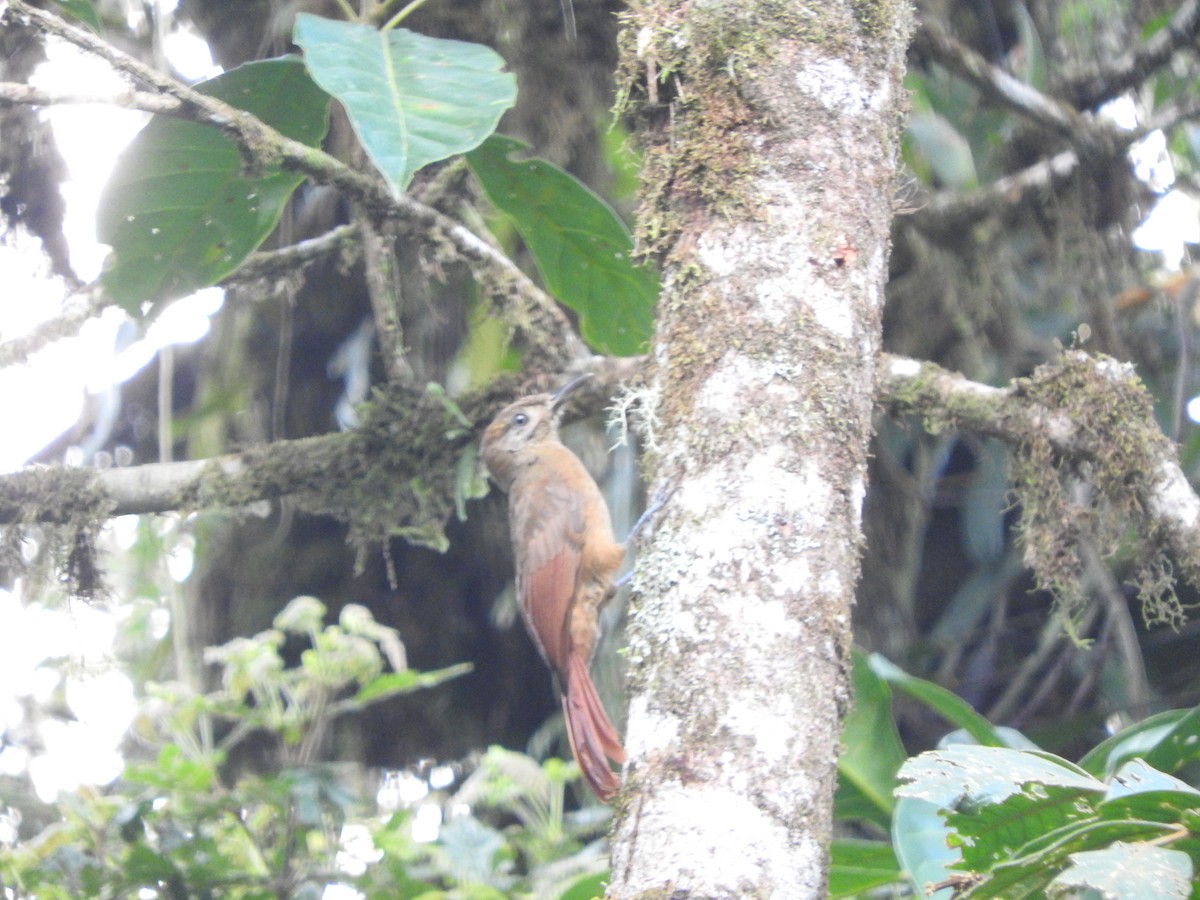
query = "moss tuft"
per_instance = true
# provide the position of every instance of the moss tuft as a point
(1068, 505)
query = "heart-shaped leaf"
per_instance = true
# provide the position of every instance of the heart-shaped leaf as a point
(412, 99)
(179, 211)
(582, 249)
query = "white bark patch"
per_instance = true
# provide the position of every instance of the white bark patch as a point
(837, 87)
(761, 524)
(830, 584)
(765, 620)
(1173, 498)
(716, 842)
(858, 493)
(723, 391)
(787, 281)
(654, 731)
(830, 310)
(722, 251)
(781, 296)
(768, 721)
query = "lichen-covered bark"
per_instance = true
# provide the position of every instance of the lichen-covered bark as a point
(768, 200)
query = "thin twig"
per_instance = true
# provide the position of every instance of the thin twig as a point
(17, 94)
(950, 212)
(1093, 137)
(80, 308)
(288, 260)
(1134, 679)
(1132, 67)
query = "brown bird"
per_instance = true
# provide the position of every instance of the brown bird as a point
(566, 558)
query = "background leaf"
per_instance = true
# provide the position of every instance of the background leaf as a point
(81, 10)
(937, 698)
(393, 683)
(179, 211)
(412, 99)
(857, 866)
(872, 753)
(1166, 741)
(582, 249)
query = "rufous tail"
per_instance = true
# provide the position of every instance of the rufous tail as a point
(593, 739)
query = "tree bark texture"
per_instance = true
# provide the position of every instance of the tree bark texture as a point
(771, 134)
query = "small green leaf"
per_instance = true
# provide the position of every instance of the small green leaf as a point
(919, 836)
(431, 536)
(179, 211)
(1136, 777)
(469, 480)
(83, 10)
(1156, 24)
(405, 682)
(1032, 66)
(589, 887)
(435, 390)
(857, 866)
(412, 99)
(144, 865)
(475, 852)
(582, 249)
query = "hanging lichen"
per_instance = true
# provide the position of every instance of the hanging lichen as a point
(72, 507)
(1094, 497)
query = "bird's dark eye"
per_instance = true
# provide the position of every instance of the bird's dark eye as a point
(520, 419)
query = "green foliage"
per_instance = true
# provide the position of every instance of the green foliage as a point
(990, 815)
(582, 249)
(182, 212)
(1026, 823)
(412, 99)
(187, 820)
(179, 211)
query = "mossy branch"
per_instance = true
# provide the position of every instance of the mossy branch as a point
(395, 475)
(1079, 422)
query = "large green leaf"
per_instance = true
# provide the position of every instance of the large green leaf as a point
(179, 211)
(1018, 818)
(938, 699)
(412, 99)
(582, 249)
(1166, 741)
(1126, 870)
(967, 773)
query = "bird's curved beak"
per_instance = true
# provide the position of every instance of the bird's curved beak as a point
(559, 396)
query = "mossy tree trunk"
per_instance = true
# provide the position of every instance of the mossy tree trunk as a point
(771, 132)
